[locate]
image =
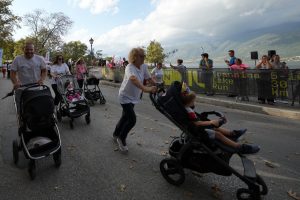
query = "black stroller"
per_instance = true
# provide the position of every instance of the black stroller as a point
(38, 133)
(92, 90)
(72, 103)
(200, 153)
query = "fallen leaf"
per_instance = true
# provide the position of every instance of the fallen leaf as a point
(131, 167)
(293, 195)
(188, 194)
(138, 143)
(166, 142)
(197, 174)
(164, 153)
(216, 191)
(132, 133)
(271, 164)
(122, 187)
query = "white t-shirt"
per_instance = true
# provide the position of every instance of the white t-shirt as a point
(128, 92)
(29, 70)
(158, 73)
(62, 69)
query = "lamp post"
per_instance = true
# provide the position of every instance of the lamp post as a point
(91, 42)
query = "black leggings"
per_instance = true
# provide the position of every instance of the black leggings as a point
(126, 123)
(57, 95)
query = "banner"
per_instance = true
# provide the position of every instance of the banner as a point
(1, 53)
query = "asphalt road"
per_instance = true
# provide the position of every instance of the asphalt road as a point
(92, 168)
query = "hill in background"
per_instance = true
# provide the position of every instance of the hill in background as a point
(285, 39)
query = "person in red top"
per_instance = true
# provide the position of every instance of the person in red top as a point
(224, 135)
(80, 71)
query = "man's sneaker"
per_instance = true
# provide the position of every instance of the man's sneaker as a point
(248, 149)
(122, 146)
(237, 134)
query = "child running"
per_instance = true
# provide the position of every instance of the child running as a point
(224, 135)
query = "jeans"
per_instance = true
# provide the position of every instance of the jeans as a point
(126, 122)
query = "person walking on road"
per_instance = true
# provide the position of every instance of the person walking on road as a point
(80, 71)
(26, 69)
(58, 69)
(129, 95)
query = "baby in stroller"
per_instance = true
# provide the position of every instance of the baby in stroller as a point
(71, 94)
(226, 136)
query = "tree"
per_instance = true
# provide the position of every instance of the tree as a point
(74, 50)
(8, 21)
(98, 54)
(155, 53)
(47, 29)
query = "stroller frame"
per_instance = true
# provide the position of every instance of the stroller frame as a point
(94, 93)
(24, 136)
(176, 164)
(79, 108)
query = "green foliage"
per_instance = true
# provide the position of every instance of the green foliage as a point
(155, 53)
(8, 21)
(74, 50)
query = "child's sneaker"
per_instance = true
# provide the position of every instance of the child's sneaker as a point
(122, 146)
(237, 134)
(248, 149)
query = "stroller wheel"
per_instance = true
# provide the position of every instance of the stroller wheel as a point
(31, 169)
(87, 119)
(58, 116)
(16, 151)
(102, 100)
(91, 102)
(261, 182)
(246, 194)
(172, 171)
(57, 158)
(71, 124)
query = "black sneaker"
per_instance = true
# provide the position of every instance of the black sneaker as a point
(237, 134)
(248, 149)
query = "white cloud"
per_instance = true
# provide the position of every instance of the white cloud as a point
(177, 21)
(97, 6)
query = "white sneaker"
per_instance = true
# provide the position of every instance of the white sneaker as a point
(122, 147)
(115, 138)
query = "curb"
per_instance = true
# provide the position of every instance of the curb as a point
(279, 112)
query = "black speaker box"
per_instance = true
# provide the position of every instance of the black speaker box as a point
(271, 53)
(254, 55)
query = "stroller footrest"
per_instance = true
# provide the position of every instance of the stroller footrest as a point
(249, 168)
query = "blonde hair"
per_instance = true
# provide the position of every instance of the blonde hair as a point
(134, 53)
(188, 97)
(79, 60)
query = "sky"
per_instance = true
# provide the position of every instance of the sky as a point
(119, 25)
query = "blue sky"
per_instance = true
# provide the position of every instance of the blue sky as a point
(118, 25)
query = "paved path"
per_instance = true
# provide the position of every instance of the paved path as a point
(93, 169)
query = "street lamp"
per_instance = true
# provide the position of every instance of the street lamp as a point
(91, 53)
(91, 42)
